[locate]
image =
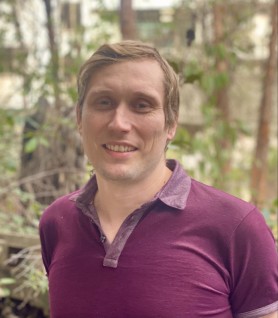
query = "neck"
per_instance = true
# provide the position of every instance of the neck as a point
(114, 200)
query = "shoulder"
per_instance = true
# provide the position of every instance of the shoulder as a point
(221, 215)
(218, 202)
(236, 232)
(56, 218)
(227, 216)
(61, 207)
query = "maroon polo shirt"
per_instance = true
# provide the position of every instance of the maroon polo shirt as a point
(192, 251)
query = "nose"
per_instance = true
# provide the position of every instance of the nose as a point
(120, 119)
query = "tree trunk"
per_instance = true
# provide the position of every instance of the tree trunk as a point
(54, 52)
(221, 93)
(221, 63)
(127, 20)
(19, 38)
(259, 167)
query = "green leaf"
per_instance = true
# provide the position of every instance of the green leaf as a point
(182, 138)
(192, 72)
(221, 80)
(208, 83)
(7, 281)
(43, 141)
(4, 292)
(31, 145)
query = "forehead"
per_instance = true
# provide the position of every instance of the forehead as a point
(136, 74)
(140, 68)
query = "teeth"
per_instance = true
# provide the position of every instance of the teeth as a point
(119, 148)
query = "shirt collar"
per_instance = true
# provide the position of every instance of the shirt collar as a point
(174, 193)
(86, 194)
(176, 190)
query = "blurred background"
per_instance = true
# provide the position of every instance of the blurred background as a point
(225, 52)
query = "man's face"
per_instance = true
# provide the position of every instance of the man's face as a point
(123, 122)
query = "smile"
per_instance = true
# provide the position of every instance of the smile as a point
(119, 148)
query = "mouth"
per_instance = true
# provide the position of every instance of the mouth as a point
(119, 148)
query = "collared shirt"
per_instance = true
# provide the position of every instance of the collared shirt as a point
(173, 195)
(192, 251)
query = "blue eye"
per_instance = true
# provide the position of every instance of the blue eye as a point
(103, 103)
(142, 106)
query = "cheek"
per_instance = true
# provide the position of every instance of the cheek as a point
(154, 128)
(157, 137)
(89, 125)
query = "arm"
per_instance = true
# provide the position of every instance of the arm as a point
(272, 315)
(254, 269)
(48, 237)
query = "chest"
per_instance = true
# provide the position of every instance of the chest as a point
(161, 272)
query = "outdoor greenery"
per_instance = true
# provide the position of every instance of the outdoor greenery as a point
(41, 125)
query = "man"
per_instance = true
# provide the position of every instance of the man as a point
(142, 239)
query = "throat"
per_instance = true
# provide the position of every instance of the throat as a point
(114, 202)
(110, 230)
(111, 213)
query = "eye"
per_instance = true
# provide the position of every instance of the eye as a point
(103, 103)
(142, 106)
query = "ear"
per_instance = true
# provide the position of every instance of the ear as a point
(171, 132)
(78, 118)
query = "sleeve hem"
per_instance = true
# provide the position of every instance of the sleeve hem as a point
(256, 313)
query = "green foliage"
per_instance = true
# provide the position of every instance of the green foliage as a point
(270, 213)
(36, 280)
(16, 224)
(10, 121)
(19, 212)
(37, 80)
(31, 281)
(218, 51)
(210, 143)
(34, 142)
(4, 286)
(193, 72)
(7, 120)
(182, 139)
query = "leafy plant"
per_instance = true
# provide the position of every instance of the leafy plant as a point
(4, 283)
(28, 273)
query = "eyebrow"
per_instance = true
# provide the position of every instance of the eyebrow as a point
(96, 91)
(150, 96)
(141, 94)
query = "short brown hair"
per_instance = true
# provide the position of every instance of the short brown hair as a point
(126, 51)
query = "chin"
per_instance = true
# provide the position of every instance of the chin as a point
(117, 174)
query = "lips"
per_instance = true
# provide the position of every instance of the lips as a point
(119, 148)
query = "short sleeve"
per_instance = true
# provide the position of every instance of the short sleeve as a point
(48, 237)
(253, 268)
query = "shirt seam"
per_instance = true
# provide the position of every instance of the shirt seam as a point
(256, 313)
(239, 224)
